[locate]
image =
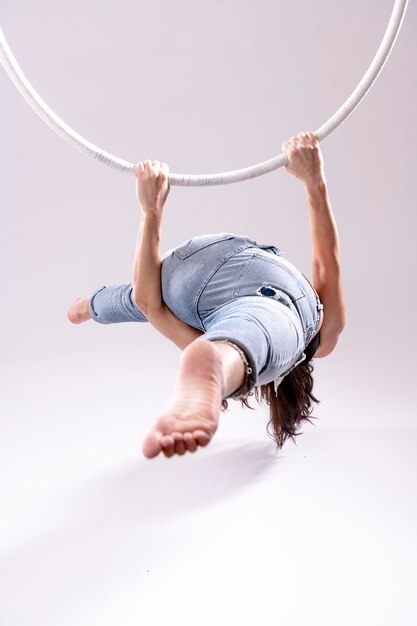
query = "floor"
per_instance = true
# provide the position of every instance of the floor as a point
(321, 533)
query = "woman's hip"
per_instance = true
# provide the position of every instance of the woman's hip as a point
(191, 267)
(257, 272)
(209, 271)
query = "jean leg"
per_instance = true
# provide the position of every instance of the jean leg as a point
(114, 304)
(267, 331)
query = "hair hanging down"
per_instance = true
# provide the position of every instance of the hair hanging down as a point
(291, 406)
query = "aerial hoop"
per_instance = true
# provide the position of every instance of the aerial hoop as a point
(195, 180)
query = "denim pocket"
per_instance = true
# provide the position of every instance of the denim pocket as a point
(270, 276)
(195, 244)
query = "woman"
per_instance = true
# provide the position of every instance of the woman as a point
(248, 321)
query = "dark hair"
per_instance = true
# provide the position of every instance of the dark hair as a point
(291, 406)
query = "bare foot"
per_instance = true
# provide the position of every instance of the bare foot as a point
(193, 415)
(79, 311)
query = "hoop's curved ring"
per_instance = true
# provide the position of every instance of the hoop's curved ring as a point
(88, 148)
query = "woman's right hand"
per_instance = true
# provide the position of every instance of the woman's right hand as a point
(305, 160)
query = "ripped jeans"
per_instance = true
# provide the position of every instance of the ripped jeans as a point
(230, 287)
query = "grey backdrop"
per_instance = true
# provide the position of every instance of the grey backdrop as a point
(206, 86)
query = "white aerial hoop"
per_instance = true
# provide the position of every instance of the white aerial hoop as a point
(63, 130)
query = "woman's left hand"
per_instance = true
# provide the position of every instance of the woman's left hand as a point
(152, 186)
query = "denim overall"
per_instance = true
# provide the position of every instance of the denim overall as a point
(230, 287)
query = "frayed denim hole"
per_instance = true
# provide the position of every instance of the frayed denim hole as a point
(269, 292)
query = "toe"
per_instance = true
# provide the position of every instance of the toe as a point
(201, 437)
(180, 447)
(152, 444)
(190, 442)
(168, 445)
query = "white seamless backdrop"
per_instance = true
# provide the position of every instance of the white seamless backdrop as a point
(92, 532)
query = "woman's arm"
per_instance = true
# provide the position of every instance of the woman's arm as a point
(146, 271)
(152, 190)
(326, 265)
(305, 162)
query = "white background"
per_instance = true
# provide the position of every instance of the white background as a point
(91, 531)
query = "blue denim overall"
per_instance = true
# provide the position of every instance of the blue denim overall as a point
(230, 287)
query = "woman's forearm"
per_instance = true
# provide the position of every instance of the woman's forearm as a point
(146, 272)
(147, 290)
(324, 235)
(326, 266)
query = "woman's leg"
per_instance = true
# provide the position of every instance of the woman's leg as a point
(107, 305)
(209, 371)
(271, 339)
